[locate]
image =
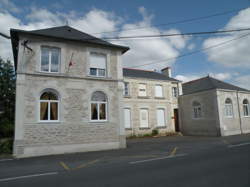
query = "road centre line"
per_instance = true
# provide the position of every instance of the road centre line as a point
(238, 145)
(28, 176)
(160, 158)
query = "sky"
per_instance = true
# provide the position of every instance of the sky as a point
(229, 61)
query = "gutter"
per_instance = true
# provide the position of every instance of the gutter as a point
(237, 93)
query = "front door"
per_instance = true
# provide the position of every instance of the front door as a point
(176, 120)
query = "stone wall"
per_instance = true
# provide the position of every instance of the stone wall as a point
(74, 132)
(238, 123)
(208, 124)
(135, 103)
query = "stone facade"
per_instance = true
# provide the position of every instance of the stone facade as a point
(134, 102)
(213, 121)
(74, 132)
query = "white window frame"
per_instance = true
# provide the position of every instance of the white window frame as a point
(175, 92)
(59, 59)
(146, 109)
(98, 69)
(161, 94)
(164, 117)
(197, 110)
(246, 107)
(126, 88)
(49, 102)
(140, 90)
(98, 109)
(228, 110)
(130, 120)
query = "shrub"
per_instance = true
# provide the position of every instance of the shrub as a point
(6, 146)
(6, 129)
(155, 132)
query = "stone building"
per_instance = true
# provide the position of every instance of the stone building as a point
(150, 101)
(68, 92)
(214, 108)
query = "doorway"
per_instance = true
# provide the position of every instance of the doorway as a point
(176, 120)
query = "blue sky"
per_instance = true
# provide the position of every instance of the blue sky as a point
(230, 62)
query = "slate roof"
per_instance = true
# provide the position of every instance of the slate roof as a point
(208, 83)
(63, 32)
(137, 73)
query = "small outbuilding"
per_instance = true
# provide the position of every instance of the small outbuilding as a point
(211, 107)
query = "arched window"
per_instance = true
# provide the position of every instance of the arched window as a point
(228, 108)
(197, 113)
(98, 106)
(49, 106)
(246, 108)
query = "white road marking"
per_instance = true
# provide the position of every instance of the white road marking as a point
(28, 176)
(238, 145)
(161, 158)
(3, 160)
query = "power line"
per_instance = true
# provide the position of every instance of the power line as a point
(176, 22)
(4, 35)
(176, 34)
(193, 52)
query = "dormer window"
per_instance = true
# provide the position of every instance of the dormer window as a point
(98, 63)
(50, 59)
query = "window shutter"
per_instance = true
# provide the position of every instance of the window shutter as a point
(158, 91)
(160, 117)
(98, 61)
(127, 118)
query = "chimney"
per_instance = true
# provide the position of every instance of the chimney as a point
(167, 71)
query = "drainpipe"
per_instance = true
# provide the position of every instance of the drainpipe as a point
(237, 93)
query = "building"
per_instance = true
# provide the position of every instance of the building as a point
(214, 108)
(150, 101)
(68, 92)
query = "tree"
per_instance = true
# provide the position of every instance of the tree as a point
(7, 97)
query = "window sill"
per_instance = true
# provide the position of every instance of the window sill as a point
(160, 98)
(49, 122)
(143, 97)
(98, 121)
(161, 127)
(144, 128)
(126, 96)
(128, 128)
(98, 78)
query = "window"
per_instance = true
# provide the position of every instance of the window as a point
(246, 108)
(160, 117)
(98, 106)
(174, 91)
(127, 118)
(126, 89)
(98, 63)
(144, 118)
(158, 91)
(49, 106)
(228, 108)
(50, 59)
(142, 90)
(197, 113)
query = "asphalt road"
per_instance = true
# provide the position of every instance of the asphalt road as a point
(166, 161)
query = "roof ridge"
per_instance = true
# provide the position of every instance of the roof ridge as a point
(140, 70)
(196, 80)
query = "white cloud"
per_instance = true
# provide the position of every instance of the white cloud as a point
(143, 51)
(98, 21)
(187, 78)
(243, 81)
(8, 5)
(221, 76)
(236, 53)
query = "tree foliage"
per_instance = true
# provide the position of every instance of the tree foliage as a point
(7, 98)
